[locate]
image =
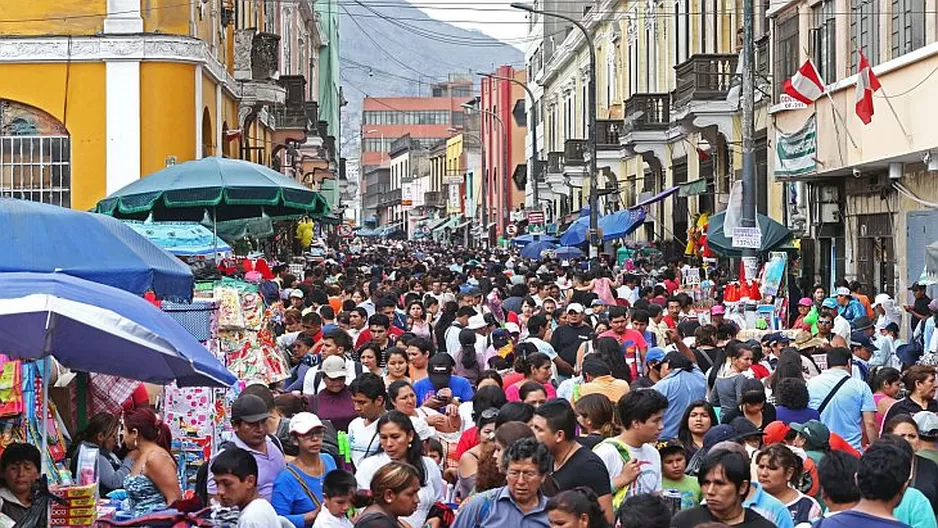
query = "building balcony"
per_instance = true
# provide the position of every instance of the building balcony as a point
(391, 198)
(647, 112)
(573, 150)
(435, 199)
(554, 163)
(607, 133)
(256, 55)
(293, 113)
(704, 77)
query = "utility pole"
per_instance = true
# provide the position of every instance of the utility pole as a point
(591, 114)
(748, 217)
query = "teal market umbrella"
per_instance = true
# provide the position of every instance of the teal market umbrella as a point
(228, 189)
(774, 236)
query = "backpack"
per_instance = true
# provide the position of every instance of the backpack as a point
(201, 476)
(317, 379)
(330, 440)
(619, 496)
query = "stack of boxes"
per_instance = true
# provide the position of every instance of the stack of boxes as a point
(80, 509)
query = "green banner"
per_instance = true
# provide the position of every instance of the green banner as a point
(795, 153)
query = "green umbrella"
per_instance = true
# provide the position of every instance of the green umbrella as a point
(228, 189)
(775, 236)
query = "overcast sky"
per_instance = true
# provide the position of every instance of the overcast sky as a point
(508, 24)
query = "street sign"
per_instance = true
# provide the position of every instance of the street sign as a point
(425, 229)
(535, 217)
(345, 230)
(747, 237)
(512, 229)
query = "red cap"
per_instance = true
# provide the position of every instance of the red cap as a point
(775, 432)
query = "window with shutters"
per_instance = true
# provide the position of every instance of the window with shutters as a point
(786, 48)
(824, 41)
(864, 31)
(681, 30)
(908, 26)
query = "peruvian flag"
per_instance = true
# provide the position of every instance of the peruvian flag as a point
(867, 83)
(806, 85)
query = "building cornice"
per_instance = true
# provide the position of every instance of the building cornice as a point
(139, 47)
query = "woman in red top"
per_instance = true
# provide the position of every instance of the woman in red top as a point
(804, 308)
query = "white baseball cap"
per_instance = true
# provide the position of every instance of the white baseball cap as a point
(476, 322)
(575, 307)
(297, 293)
(304, 422)
(333, 367)
(512, 328)
(843, 291)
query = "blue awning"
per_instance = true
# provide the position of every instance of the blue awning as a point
(658, 197)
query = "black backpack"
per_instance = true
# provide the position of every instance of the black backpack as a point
(201, 476)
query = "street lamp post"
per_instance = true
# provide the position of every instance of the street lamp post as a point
(505, 188)
(591, 101)
(534, 174)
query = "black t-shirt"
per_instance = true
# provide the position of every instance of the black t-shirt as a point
(768, 415)
(706, 357)
(590, 441)
(583, 468)
(920, 306)
(567, 340)
(701, 515)
(643, 382)
(908, 406)
(586, 297)
(926, 480)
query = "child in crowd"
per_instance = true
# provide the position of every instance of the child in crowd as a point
(235, 472)
(434, 450)
(673, 464)
(338, 491)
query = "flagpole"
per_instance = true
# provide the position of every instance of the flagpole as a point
(893, 110)
(830, 99)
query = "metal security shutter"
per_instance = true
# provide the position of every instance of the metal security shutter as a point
(921, 230)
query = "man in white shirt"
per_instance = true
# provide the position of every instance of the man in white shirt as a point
(841, 324)
(642, 414)
(235, 472)
(452, 333)
(629, 289)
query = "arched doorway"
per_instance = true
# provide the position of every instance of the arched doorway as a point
(208, 136)
(35, 155)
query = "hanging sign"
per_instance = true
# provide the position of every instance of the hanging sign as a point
(795, 153)
(747, 237)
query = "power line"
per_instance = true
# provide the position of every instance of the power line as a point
(378, 46)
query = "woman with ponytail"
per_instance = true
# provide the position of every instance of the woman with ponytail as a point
(467, 360)
(101, 434)
(151, 484)
(595, 414)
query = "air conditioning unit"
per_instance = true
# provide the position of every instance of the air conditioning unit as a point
(829, 213)
(828, 195)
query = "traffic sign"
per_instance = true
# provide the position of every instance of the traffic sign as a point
(425, 229)
(512, 229)
(345, 230)
(535, 217)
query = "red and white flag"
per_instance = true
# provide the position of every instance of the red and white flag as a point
(867, 83)
(806, 85)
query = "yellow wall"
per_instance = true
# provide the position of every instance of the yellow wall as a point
(63, 17)
(167, 16)
(43, 86)
(167, 110)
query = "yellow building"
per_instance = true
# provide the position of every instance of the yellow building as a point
(95, 94)
(665, 116)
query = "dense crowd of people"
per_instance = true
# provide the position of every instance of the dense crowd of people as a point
(437, 387)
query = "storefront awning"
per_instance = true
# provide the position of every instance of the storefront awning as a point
(693, 188)
(462, 225)
(438, 222)
(450, 223)
(657, 198)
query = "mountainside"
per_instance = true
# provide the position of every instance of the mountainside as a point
(395, 50)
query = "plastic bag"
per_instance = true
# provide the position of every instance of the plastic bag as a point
(37, 516)
(86, 471)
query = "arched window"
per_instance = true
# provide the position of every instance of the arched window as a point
(35, 155)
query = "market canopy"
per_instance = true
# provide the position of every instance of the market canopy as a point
(774, 235)
(534, 250)
(92, 327)
(576, 232)
(44, 238)
(523, 240)
(184, 239)
(621, 223)
(229, 189)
